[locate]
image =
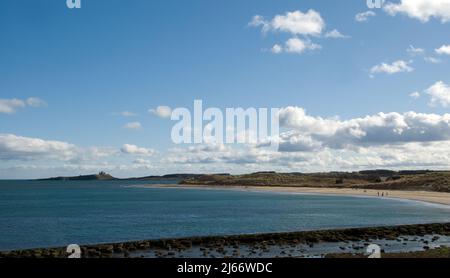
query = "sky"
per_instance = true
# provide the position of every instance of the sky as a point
(91, 89)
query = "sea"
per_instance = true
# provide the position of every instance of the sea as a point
(36, 214)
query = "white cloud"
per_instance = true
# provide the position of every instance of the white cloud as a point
(36, 102)
(162, 112)
(14, 147)
(413, 51)
(415, 95)
(295, 23)
(94, 153)
(35, 157)
(309, 156)
(379, 129)
(127, 114)
(295, 45)
(293, 141)
(443, 50)
(335, 34)
(363, 17)
(141, 161)
(301, 26)
(395, 67)
(277, 49)
(9, 106)
(133, 125)
(213, 154)
(422, 10)
(440, 94)
(259, 21)
(415, 155)
(298, 23)
(133, 149)
(307, 143)
(432, 60)
(296, 117)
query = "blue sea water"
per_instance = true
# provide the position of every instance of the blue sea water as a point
(58, 213)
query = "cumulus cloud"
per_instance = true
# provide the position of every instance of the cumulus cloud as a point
(415, 95)
(214, 154)
(307, 143)
(14, 147)
(335, 34)
(422, 10)
(127, 114)
(133, 149)
(379, 129)
(260, 21)
(36, 102)
(415, 155)
(276, 49)
(432, 60)
(364, 16)
(395, 67)
(133, 125)
(440, 94)
(295, 45)
(35, 157)
(10, 106)
(296, 23)
(163, 112)
(141, 161)
(302, 153)
(296, 118)
(413, 51)
(443, 50)
(293, 141)
(301, 26)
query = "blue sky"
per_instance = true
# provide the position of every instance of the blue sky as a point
(91, 64)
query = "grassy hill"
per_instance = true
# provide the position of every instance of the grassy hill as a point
(378, 179)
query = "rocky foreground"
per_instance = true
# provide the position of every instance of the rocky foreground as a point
(438, 253)
(294, 244)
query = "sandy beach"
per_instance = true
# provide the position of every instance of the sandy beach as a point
(441, 198)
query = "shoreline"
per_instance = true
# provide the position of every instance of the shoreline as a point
(429, 197)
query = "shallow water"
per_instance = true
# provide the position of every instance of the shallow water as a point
(58, 213)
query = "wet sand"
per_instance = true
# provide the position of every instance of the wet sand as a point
(441, 198)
